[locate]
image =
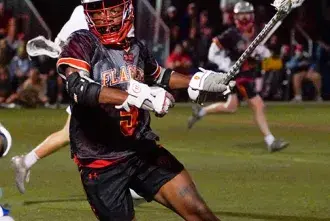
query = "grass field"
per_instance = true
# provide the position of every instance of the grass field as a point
(225, 154)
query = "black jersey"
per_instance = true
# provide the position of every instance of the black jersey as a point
(234, 44)
(105, 132)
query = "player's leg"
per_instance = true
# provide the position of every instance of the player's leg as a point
(22, 164)
(230, 106)
(161, 177)
(181, 195)
(258, 107)
(316, 79)
(5, 141)
(107, 190)
(297, 82)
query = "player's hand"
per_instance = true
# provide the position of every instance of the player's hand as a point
(206, 81)
(142, 96)
(162, 101)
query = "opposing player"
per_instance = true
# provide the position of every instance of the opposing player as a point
(226, 49)
(59, 139)
(110, 79)
(5, 141)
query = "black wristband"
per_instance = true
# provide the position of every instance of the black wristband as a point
(165, 81)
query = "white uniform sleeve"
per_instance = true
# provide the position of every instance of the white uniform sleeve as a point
(262, 51)
(68, 110)
(218, 57)
(76, 22)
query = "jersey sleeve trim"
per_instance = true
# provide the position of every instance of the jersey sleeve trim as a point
(75, 63)
(217, 42)
(157, 72)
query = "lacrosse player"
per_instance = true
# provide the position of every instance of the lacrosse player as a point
(113, 82)
(226, 49)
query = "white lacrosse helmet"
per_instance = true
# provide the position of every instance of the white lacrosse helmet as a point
(8, 141)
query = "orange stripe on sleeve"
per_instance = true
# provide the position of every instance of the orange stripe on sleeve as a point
(156, 74)
(75, 63)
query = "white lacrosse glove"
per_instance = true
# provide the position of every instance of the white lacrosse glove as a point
(208, 81)
(163, 100)
(152, 99)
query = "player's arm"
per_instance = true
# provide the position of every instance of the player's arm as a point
(203, 80)
(92, 93)
(74, 65)
(85, 91)
(214, 53)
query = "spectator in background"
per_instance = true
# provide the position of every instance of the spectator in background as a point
(302, 68)
(5, 85)
(31, 93)
(4, 19)
(285, 53)
(190, 19)
(203, 19)
(227, 10)
(273, 74)
(179, 61)
(171, 17)
(5, 53)
(203, 45)
(12, 41)
(274, 44)
(19, 67)
(9, 44)
(324, 42)
(175, 36)
(190, 46)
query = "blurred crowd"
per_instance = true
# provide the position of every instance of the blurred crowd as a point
(283, 76)
(23, 81)
(290, 73)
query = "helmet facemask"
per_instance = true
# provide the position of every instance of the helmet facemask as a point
(109, 20)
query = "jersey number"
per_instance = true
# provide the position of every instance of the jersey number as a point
(129, 121)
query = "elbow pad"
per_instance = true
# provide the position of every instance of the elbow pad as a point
(83, 90)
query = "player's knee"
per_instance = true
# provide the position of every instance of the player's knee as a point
(232, 104)
(257, 104)
(199, 210)
(232, 109)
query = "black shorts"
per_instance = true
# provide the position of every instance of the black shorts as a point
(246, 89)
(107, 189)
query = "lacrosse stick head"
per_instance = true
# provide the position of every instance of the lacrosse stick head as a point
(283, 5)
(287, 5)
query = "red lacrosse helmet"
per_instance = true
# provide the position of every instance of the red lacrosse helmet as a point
(244, 16)
(109, 20)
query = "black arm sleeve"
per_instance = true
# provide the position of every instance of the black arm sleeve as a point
(154, 74)
(83, 90)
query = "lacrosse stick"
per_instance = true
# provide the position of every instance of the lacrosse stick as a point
(41, 46)
(283, 7)
(278, 24)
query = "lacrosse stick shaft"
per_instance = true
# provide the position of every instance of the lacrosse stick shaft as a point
(278, 24)
(279, 16)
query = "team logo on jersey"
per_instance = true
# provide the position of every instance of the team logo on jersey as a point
(114, 77)
(128, 57)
